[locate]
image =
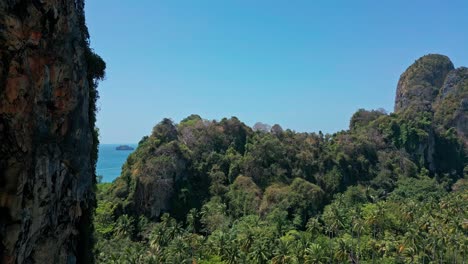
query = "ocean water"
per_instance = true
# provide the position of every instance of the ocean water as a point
(110, 161)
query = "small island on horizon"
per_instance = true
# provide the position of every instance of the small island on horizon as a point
(124, 147)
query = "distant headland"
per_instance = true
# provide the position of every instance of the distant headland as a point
(124, 147)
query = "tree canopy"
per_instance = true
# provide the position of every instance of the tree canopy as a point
(388, 190)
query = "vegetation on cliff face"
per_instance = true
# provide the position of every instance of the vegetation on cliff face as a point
(391, 189)
(95, 73)
(451, 106)
(420, 84)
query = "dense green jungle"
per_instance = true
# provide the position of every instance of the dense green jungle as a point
(391, 189)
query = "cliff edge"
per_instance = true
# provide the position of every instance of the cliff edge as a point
(48, 79)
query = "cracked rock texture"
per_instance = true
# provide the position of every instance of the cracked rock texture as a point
(46, 166)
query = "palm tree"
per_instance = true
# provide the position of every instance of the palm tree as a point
(217, 242)
(155, 251)
(246, 240)
(133, 254)
(433, 241)
(191, 220)
(300, 245)
(282, 253)
(315, 254)
(231, 254)
(178, 251)
(410, 252)
(258, 253)
(413, 241)
(358, 227)
(342, 252)
(314, 226)
(124, 226)
(372, 221)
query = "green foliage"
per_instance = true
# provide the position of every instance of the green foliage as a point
(389, 190)
(214, 216)
(362, 118)
(421, 189)
(165, 131)
(244, 197)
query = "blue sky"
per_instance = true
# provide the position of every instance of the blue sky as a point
(306, 65)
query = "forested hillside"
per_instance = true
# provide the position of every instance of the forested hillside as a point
(390, 189)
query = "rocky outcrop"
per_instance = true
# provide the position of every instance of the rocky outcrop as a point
(47, 150)
(432, 88)
(156, 181)
(170, 171)
(451, 106)
(149, 182)
(419, 85)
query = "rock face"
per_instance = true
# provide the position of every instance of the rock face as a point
(432, 85)
(47, 150)
(153, 179)
(419, 85)
(155, 186)
(451, 106)
(434, 88)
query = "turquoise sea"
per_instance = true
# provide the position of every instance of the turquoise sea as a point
(110, 160)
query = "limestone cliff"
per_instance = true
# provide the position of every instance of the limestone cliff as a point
(432, 85)
(150, 174)
(451, 106)
(419, 85)
(433, 88)
(48, 142)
